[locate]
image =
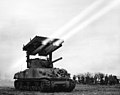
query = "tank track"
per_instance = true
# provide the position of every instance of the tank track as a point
(44, 85)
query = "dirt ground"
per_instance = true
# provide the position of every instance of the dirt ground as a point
(79, 90)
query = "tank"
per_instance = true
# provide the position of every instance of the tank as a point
(40, 74)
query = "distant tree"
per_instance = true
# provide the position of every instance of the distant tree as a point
(79, 78)
(101, 78)
(106, 79)
(74, 77)
(113, 80)
(88, 76)
(97, 78)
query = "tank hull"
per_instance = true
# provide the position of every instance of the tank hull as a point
(45, 84)
(40, 74)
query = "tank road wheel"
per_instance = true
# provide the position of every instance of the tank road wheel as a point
(28, 85)
(36, 85)
(25, 85)
(45, 85)
(16, 84)
(21, 85)
(72, 85)
(32, 86)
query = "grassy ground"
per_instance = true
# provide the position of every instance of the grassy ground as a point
(79, 90)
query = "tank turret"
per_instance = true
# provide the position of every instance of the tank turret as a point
(40, 73)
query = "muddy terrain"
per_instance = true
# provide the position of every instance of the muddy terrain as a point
(79, 90)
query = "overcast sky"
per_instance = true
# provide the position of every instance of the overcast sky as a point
(96, 48)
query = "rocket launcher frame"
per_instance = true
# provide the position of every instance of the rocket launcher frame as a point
(37, 46)
(42, 46)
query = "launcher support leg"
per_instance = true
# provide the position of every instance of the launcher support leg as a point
(28, 59)
(50, 57)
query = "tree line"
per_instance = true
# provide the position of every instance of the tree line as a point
(97, 78)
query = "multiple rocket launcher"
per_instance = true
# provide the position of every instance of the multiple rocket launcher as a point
(42, 45)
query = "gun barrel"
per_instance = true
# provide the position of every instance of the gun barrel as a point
(57, 60)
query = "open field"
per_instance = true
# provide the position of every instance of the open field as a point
(79, 90)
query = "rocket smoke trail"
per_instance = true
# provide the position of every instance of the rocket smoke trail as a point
(92, 19)
(77, 19)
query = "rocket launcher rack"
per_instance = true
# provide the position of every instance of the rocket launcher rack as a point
(43, 46)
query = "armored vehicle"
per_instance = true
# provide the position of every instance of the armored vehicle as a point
(40, 74)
